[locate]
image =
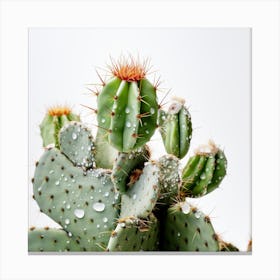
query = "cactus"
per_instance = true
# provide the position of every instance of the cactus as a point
(176, 128)
(51, 240)
(141, 198)
(127, 166)
(169, 179)
(127, 106)
(106, 193)
(135, 235)
(83, 202)
(188, 229)
(55, 118)
(204, 171)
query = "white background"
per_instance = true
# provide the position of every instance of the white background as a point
(17, 16)
(209, 67)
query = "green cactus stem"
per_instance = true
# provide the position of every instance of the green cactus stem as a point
(127, 106)
(188, 229)
(204, 171)
(176, 128)
(55, 118)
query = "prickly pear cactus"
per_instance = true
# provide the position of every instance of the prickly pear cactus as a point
(83, 202)
(176, 128)
(188, 229)
(127, 106)
(51, 240)
(204, 171)
(55, 118)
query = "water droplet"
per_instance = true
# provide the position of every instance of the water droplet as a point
(178, 234)
(69, 233)
(74, 136)
(67, 241)
(103, 120)
(147, 131)
(51, 172)
(98, 226)
(68, 206)
(105, 220)
(163, 118)
(128, 124)
(106, 194)
(79, 213)
(98, 206)
(39, 189)
(91, 197)
(185, 208)
(134, 196)
(67, 221)
(122, 225)
(202, 176)
(197, 214)
(152, 111)
(57, 183)
(82, 148)
(127, 110)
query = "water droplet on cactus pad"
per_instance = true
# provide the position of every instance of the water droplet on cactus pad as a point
(57, 183)
(202, 176)
(67, 221)
(106, 194)
(128, 124)
(51, 172)
(105, 219)
(152, 111)
(74, 136)
(185, 208)
(103, 120)
(70, 234)
(79, 213)
(68, 206)
(127, 110)
(197, 214)
(98, 206)
(134, 196)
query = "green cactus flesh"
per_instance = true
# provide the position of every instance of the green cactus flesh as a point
(204, 172)
(54, 120)
(135, 235)
(188, 229)
(51, 240)
(105, 154)
(126, 164)
(127, 110)
(141, 198)
(176, 129)
(84, 203)
(169, 178)
(77, 144)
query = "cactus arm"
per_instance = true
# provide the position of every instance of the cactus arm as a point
(185, 126)
(172, 135)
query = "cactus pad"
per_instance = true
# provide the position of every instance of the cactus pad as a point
(188, 229)
(135, 235)
(140, 200)
(125, 164)
(176, 128)
(204, 171)
(77, 144)
(84, 203)
(51, 240)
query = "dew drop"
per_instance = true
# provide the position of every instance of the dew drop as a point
(68, 206)
(197, 214)
(68, 241)
(105, 219)
(69, 233)
(98, 226)
(202, 176)
(79, 213)
(127, 110)
(122, 225)
(152, 111)
(57, 183)
(98, 206)
(51, 172)
(178, 234)
(106, 194)
(185, 208)
(134, 196)
(128, 124)
(147, 131)
(74, 136)
(67, 221)
(103, 120)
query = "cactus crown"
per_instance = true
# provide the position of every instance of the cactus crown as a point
(129, 69)
(59, 111)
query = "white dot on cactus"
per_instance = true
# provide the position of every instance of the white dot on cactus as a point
(68, 206)
(103, 120)
(74, 136)
(106, 194)
(134, 196)
(79, 213)
(98, 226)
(98, 206)
(39, 189)
(178, 234)
(88, 240)
(197, 214)
(70, 234)
(202, 176)
(99, 190)
(67, 241)
(152, 111)
(57, 183)
(51, 172)
(128, 124)
(122, 225)
(82, 148)
(105, 226)
(185, 207)
(67, 221)
(147, 131)
(127, 110)
(105, 219)
(91, 197)
(145, 124)
(73, 180)
(116, 196)
(63, 201)
(163, 118)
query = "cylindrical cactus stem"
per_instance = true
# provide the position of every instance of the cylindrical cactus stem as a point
(55, 118)
(204, 171)
(176, 128)
(127, 106)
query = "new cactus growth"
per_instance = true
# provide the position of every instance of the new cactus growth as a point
(55, 118)
(127, 106)
(188, 229)
(176, 128)
(204, 171)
